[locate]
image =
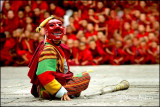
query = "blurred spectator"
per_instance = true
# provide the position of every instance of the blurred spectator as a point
(119, 54)
(152, 52)
(28, 12)
(11, 22)
(42, 5)
(100, 8)
(6, 54)
(57, 11)
(92, 18)
(142, 32)
(37, 16)
(102, 24)
(96, 52)
(21, 19)
(6, 8)
(130, 50)
(69, 33)
(84, 56)
(35, 40)
(26, 47)
(90, 31)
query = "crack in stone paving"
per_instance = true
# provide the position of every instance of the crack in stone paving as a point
(24, 86)
(9, 101)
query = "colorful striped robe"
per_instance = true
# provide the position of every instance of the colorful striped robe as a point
(52, 61)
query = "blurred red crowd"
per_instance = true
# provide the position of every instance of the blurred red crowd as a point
(99, 32)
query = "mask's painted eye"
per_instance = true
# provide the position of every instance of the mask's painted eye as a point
(51, 25)
(60, 24)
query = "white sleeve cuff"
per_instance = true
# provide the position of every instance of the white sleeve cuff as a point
(61, 92)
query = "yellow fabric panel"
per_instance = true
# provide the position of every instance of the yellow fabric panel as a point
(53, 86)
(48, 47)
(48, 52)
(47, 57)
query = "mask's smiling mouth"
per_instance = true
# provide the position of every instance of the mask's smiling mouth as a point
(57, 32)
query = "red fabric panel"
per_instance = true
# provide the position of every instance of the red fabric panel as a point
(46, 77)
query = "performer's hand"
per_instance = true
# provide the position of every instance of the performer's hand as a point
(65, 97)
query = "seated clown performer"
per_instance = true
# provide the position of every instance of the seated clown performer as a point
(49, 70)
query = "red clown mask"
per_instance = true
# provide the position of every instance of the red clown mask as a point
(54, 29)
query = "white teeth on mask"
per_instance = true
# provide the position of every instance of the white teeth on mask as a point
(57, 33)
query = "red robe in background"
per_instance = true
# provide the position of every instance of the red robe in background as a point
(90, 21)
(24, 50)
(118, 53)
(139, 54)
(37, 19)
(6, 55)
(21, 22)
(85, 55)
(75, 52)
(108, 57)
(71, 36)
(15, 6)
(59, 12)
(10, 24)
(130, 58)
(42, 6)
(29, 14)
(125, 32)
(113, 24)
(151, 58)
(101, 45)
(88, 34)
(67, 3)
(97, 53)
(104, 24)
(143, 52)
(4, 10)
(84, 9)
(76, 24)
(99, 10)
(140, 35)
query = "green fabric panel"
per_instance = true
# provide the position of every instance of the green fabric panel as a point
(46, 65)
(79, 75)
(42, 92)
(47, 43)
(42, 89)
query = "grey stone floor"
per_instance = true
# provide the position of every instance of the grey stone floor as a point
(143, 91)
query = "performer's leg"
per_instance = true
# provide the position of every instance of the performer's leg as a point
(77, 84)
(74, 86)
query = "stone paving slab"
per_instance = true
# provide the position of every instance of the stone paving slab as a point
(143, 91)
